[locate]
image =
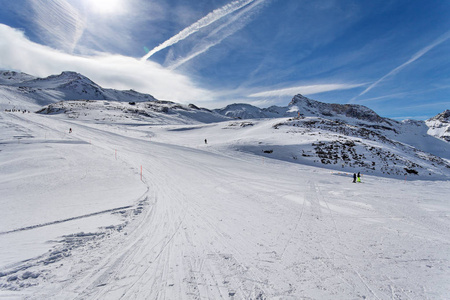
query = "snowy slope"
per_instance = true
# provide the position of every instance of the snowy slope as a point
(324, 143)
(349, 141)
(206, 221)
(154, 112)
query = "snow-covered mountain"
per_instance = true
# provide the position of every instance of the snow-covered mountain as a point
(337, 136)
(350, 137)
(12, 77)
(439, 126)
(308, 107)
(302, 106)
(23, 91)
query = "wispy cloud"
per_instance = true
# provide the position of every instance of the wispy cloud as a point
(203, 22)
(415, 57)
(443, 104)
(111, 71)
(306, 90)
(58, 22)
(216, 36)
(384, 97)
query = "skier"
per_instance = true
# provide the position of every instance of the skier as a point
(359, 177)
(354, 177)
(206, 142)
(70, 130)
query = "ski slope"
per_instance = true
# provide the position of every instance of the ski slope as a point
(204, 221)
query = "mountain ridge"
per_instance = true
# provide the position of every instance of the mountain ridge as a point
(20, 90)
(319, 133)
(33, 92)
(75, 86)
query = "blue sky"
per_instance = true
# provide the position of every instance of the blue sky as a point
(392, 56)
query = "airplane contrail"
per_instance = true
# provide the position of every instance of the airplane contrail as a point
(210, 18)
(415, 57)
(216, 36)
(306, 90)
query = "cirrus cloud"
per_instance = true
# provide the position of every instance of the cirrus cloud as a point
(443, 38)
(306, 90)
(111, 71)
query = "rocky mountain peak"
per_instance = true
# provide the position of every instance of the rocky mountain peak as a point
(307, 106)
(69, 76)
(443, 117)
(439, 125)
(300, 99)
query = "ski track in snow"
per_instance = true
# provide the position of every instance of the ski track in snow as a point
(215, 224)
(66, 220)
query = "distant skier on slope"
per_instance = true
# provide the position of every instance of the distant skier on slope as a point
(354, 177)
(70, 130)
(359, 177)
(206, 141)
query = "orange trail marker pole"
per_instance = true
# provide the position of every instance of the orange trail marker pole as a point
(141, 172)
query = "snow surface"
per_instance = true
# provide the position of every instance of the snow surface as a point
(213, 220)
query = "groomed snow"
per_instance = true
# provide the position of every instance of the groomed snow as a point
(205, 221)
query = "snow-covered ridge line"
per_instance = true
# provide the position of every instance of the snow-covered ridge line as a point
(151, 112)
(23, 91)
(131, 106)
(20, 91)
(303, 106)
